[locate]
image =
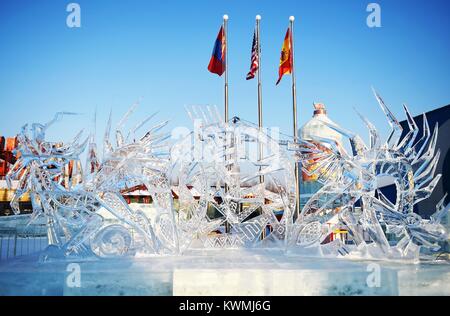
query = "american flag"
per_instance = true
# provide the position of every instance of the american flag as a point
(255, 59)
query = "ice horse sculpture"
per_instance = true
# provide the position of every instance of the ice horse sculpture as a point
(348, 179)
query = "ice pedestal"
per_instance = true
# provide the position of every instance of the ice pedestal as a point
(434, 280)
(224, 272)
(113, 283)
(253, 282)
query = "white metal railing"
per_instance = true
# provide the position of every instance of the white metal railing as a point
(22, 240)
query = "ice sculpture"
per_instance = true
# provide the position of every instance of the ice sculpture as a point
(352, 179)
(235, 187)
(130, 163)
(243, 178)
(46, 171)
(72, 202)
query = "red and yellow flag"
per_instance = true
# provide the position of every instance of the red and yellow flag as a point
(286, 56)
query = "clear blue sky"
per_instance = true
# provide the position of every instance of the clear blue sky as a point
(160, 50)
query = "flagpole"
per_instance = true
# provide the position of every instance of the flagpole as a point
(225, 30)
(260, 112)
(294, 113)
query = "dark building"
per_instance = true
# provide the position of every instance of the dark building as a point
(440, 116)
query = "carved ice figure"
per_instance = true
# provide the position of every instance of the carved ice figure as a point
(353, 178)
(51, 173)
(71, 202)
(244, 179)
(131, 163)
(236, 188)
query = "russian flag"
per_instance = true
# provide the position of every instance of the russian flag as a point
(217, 63)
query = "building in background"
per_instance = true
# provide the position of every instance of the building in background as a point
(440, 116)
(310, 131)
(7, 159)
(7, 156)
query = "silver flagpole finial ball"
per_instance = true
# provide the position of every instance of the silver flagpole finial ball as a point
(258, 17)
(225, 17)
(291, 18)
